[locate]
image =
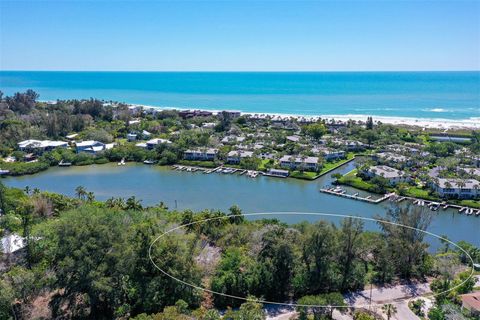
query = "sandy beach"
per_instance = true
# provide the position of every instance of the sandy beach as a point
(434, 123)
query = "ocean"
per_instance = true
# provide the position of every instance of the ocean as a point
(419, 95)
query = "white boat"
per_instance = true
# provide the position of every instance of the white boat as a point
(149, 162)
(64, 164)
(121, 163)
(4, 171)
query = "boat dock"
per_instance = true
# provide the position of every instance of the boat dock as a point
(435, 205)
(219, 169)
(337, 191)
(432, 205)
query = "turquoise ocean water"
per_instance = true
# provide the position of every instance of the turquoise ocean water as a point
(446, 95)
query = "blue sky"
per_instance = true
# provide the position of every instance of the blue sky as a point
(240, 35)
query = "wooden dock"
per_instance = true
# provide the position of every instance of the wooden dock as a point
(219, 169)
(341, 193)
(435, 205)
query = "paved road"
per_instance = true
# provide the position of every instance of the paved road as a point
(404, 312)
(399, 295)
(288, 314)
(386, 295)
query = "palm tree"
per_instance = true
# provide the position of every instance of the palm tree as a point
(235, 214)
(389, 310)
(110, 202)
(90, 196)
(80, 192)
(133, 204)
(118, 203)
(27, 190)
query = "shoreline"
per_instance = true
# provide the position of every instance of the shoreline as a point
(430, 123)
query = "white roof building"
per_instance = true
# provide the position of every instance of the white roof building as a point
(158, 141)
(393, 175)
(12, 243)
(41, 144)
(240, 154)
(461, 188)
(293, 138)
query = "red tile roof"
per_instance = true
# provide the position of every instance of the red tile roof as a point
(471, 300)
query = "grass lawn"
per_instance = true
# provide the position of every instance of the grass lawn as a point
(304, 175)
(417, 192)
(470, 203)
(261, 167)
(329, 166)
(351, 179)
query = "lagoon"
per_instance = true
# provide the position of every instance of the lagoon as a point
(198, 191)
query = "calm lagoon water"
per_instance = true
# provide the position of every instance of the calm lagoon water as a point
(199, 191)
(447, 95)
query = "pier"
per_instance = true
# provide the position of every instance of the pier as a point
(337, 191)
(435, 205)
(219, 169)
(432, 205)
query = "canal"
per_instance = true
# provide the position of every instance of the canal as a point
(198, 191)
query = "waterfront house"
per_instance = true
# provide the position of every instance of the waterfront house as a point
(471, 303)
(235, 156)
(295, 162)
(40, 146)
(208, 154)
(90, 146)
(393, 175)
(328, 153)
(457, 188)
(278, 173)
(151, 144)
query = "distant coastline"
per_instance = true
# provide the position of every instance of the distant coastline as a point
(418, 98)
(437, 123)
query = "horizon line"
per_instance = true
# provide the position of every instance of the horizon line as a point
(238, 71)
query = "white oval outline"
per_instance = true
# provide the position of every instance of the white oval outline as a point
(395, 301)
